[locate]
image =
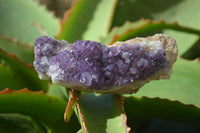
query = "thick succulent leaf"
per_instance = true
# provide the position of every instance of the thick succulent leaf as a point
(182, 11)
(130, 30)
(183, 85)
(10, 79)
(21, 50)
(118, 31)
(19, 124)
(58, 90)
(102, 113)
(159, 98)
(47, 109)
(17, 26)
(17, 18)
(168, 126)
(25, 71)
(193, 52)
(147, 108)
(87, 19)
(101, 21)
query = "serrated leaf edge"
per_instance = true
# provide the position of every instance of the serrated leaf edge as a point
(14, 57)
(172, 25)
(17, 42)
(26, 90)
(175, 101)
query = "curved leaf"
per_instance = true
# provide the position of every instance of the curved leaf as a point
(18, 30)
(102, 113)
(148, 108)
(131, 30)
(193, 52)
(10, 79)
(10, 123)
(17, 18)
(182, 11)
(58, 90)
(183, 85)
(87, 19)
(117, 31)
(21, 50)
(170, 126)
(26, 71)
(47, 109)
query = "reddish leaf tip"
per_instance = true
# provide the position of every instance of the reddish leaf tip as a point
(175, 23)
(7, 90)
(161, 21)
(14, 57)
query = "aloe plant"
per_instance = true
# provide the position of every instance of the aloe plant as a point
(28, 104)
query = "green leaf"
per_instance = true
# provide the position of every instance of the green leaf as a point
(26, 71)
(102, 113)
(169, 126)
(169, 11)
(193, 52)
(88, 20)
(58, 90)
(10, 79)
(175, 98)
(147, 108)
(119, 31)
(17, 18)
(10, 123)
(130, 30)
(21, 50)
(18, 30)
(183, 84)
(47, 109)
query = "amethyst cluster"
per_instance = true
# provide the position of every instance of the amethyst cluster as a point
(97, 66)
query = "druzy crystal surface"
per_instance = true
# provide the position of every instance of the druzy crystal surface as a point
(95, 65)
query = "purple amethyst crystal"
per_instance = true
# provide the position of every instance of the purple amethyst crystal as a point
(97, 66)
(45, 49)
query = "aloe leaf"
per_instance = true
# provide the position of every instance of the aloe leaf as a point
(18, 30)
(148, 108)
(10, 79)
(131, 30)
(175, 98)
(20, 124)
(193, 52)
(101, 21)
(169, 11)
(165, 126)
(58, 90)
(183, 84)
(47, 109)
(117, 31)
(21, 50)
(18, 18)
(102, 113)
(88, 20)
(25, 71)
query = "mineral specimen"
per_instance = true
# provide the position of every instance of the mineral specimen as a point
(94, 67)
